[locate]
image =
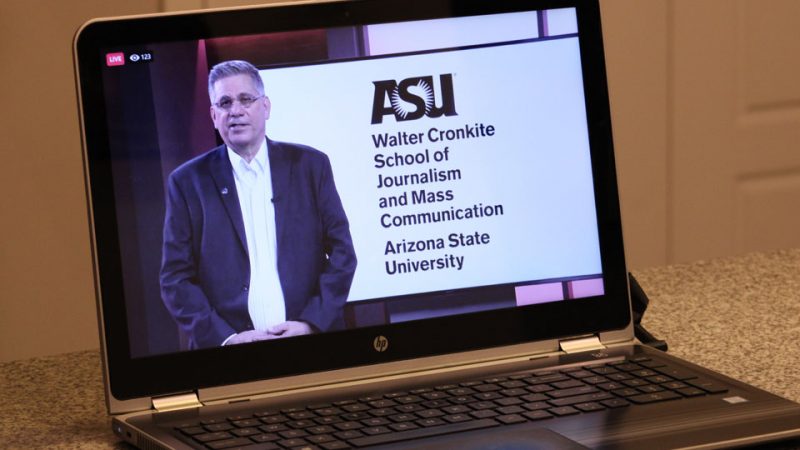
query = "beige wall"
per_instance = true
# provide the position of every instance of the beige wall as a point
(46, 294)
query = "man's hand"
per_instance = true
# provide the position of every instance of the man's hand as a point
(250, 336)
(281, 330)
(291, 328)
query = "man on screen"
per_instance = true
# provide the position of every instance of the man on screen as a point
(256, 242)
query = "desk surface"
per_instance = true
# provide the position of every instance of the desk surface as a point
(738, 316)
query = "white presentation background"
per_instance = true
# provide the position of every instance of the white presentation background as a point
(536, 166)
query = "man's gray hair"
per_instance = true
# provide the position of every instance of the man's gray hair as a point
(227, 69)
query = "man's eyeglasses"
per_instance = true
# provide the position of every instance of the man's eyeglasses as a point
(226, 103)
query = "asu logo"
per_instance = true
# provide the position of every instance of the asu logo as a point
(413, 98)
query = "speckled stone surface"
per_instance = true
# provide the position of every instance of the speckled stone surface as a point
(738, 316)
(54, 402)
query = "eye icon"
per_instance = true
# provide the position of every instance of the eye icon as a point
(134, 57)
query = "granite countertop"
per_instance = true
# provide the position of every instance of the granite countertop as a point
(738, 316)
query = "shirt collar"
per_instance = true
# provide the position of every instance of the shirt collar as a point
(258, 164)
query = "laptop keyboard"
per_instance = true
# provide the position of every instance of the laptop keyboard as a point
(470, 405)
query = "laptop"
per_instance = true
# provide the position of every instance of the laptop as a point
(374, 224)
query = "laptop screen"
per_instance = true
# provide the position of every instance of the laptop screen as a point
(290, 184)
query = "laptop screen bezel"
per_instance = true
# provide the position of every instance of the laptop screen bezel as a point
(131, 377)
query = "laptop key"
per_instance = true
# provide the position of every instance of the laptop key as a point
(334, 445)
(455, 418)
(621, 376)
(487, 396)
(675, 385)
(435, 404)
(244, 432)
(403, 426)
(456, 409)
(534, 398)
(273, 428)
(538, 415)
(428, 413)
(595, 379)
(651, 388)
(414, 407)
(228, 443)
(300, 415)
(422, 432)
(355, 407)
(430, 422)
(615, 403)
(344, 426)
(320, 439)
(626, 392)
(604, 370)
(300, 424)
(691, 392)
(327, 420)
(506, 410)
(372, 431)
(552, 378)
(384, 403)
(276, 418)
(654, 397)
(567, 384)
(266, 437)
(483, 414)
(563, 411)
(349, 434)
(405, 417)
(375, 421)
(219, 427)
(355, 416)
(539, 388)
(707, 385)
(263, 446)
(510, 401)
(458, 392)
(247, 423)
(569, 401)
(208, 437)
(572, 392)
(676, 372)
(380, 412)
(509, 419)
(191, 431)
(482, 405)
(321, 429)
(590, 407)
(659, 379)
(292, 434)
(294, 442)
(612, 386)
(533, 406)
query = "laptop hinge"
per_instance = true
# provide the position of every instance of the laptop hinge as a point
(176, 402)
(583, 344)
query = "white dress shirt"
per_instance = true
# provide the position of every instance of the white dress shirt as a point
(265, 301)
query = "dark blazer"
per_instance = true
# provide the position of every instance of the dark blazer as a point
(205, 269)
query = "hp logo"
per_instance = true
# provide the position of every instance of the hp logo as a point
(380, 344)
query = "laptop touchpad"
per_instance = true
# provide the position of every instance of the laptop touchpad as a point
(510, 438)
